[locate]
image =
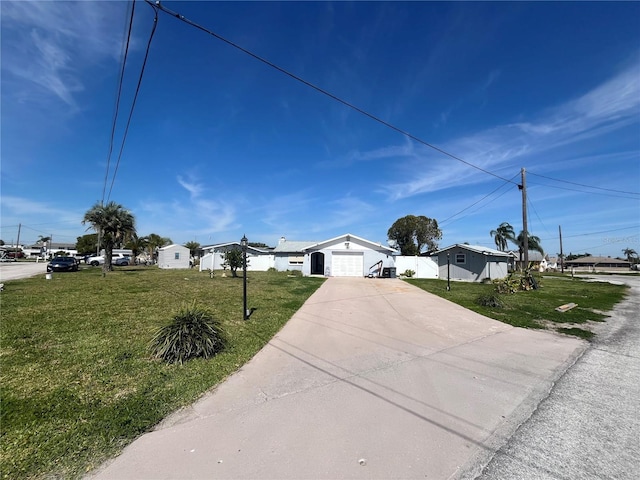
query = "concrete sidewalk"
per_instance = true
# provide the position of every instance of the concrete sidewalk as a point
(371, 378)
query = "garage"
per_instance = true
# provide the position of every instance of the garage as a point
(347, 264)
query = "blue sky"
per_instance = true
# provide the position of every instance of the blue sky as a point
(221, 145)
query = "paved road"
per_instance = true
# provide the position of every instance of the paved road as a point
(589, 426)
(371, 378)
(16, 270)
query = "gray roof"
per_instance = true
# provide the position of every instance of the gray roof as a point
(596, 260)
(477, 249)
(287, 246)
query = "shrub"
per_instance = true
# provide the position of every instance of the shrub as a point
(192, 333)
(489, 301)
(409, 273)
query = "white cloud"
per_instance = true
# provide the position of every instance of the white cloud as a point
(47, 45)
(606, 108)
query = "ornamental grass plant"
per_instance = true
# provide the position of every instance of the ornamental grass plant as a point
(192, 333)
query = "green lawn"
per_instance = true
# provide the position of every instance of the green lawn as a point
(536, 308)
(78, 383)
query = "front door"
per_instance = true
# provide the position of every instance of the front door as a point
(317, 263)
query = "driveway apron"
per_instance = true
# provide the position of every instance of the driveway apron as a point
(371, 378)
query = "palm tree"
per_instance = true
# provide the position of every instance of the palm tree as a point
(114, 224)
(155, 241)
(533, 243)
(193, 247)
(630, 253)
(502, 235)
(137, 245)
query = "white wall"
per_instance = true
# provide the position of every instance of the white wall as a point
(255, 262)
(425, 267)
(166, 257)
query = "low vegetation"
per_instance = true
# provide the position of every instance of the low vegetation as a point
(78, 380)
(535, 308)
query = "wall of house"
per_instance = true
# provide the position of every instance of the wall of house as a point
(424, 267)
(167, 260)
(281, 262)
(475, 269)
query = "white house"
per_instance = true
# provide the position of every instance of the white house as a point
(258, 259)
(173, 256)
(343, 256)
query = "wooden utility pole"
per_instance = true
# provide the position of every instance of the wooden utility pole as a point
(561, 254)
(18, 242)
(525, 231)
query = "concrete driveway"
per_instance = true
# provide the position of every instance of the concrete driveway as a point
(16, 270)
(372, 378)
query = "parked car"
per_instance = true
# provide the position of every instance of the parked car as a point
(121, 261)
(62, 264)
(117, 257)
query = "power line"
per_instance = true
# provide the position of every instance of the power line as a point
(321, 90)
(582, 191)
(118, 95)
(135, 97)
(488, 195)
(582, 185)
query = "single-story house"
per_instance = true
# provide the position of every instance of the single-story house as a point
(173, 256)
(592, 263)
(472, 263)
(343, 256)
(258, 259)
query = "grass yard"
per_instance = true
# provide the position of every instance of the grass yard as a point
(78, 383)
(536, 308)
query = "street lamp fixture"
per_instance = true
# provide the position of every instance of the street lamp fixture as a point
(244, 243)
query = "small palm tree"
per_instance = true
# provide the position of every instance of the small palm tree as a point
(114, 224)
(502, 235)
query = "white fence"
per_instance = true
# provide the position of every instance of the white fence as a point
(424, 267)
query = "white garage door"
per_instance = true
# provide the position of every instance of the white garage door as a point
(347, 264)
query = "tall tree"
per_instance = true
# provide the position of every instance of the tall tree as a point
(631, 254)
(137, 245)
(193, 247)
(114, 224)
(413, 233)
(87, 244)
(533, 243)
(503, 235)
(155, 241)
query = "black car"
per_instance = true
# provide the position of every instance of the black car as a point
(63, 264)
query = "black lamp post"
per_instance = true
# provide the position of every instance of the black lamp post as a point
(243, 244)
(448, 274)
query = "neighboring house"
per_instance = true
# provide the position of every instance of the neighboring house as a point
(597, 263)
(173, 256)
(49, 249)
(472, 263)
(537, 261)
(258, 259)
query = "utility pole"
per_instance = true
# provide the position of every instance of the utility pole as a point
(561, 254)
(525, 232)
(18, 242)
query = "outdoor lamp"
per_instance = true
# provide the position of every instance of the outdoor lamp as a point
(243, 244)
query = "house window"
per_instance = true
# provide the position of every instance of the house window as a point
(461, 258)
(177, 256)
(296, 259)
